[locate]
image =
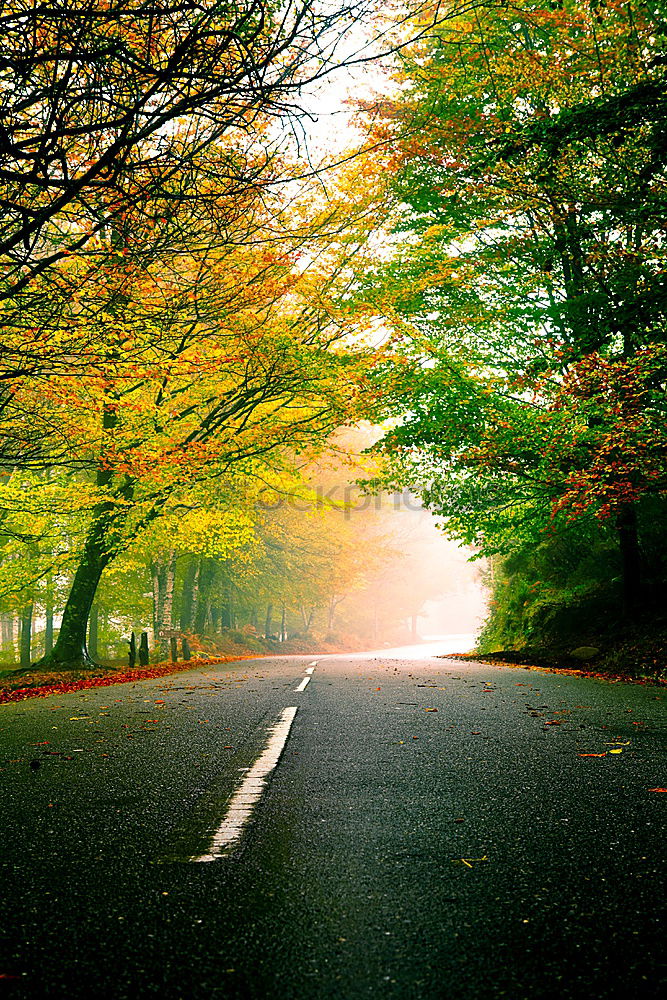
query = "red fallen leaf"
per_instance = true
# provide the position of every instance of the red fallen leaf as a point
(430, 710)
(42, 743)
(378, 689)
(554, 722)
(657, 789)
(593, 754)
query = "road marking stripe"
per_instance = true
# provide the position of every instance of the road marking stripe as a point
(313, 664)
(303, 684)
(250, 790)
(309, 670)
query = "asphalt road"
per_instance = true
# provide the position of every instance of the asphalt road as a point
(431, 830)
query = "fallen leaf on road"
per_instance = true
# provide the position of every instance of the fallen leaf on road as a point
(593, 754)
(467, 861)
(657, 789)
(430, 710)
(618, 750)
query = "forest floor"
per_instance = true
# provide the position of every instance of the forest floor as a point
(17, 683)
(640, 657)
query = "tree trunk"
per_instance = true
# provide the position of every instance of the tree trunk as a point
(206, 576)
(283, 630)
(268, 624)
(70, 650)
(8, 635)
(157, 602)
(26, 634)
(48, 611)
(189, 595)
(331, 614)
(144, 655)
(631, 561)
(93, 632)
(163, 572)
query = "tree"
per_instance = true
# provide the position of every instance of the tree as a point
(226, 359)
(108, 117)
(527, 146)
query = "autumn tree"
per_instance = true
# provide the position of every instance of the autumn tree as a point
(528, 150)
(106, 117)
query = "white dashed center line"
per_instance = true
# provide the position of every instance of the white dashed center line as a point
(303, 684)
(250, 790)
(309, 670)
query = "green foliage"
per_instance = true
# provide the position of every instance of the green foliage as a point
(528, 296)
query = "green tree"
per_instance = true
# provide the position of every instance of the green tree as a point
(530, 182)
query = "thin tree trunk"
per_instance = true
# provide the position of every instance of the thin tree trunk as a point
(93, 632)
(283, 631)
(157, 598)
(189, 595)
(206, 577)
(268, 624)
(26, 634)
(48, 611)
(168, 602)
(8, 633)
(163, 573)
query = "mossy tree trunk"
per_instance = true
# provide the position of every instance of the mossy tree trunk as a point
(70, 650)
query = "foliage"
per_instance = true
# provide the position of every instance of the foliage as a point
(526, 286)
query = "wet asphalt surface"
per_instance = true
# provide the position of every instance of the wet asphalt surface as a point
(431, 831)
